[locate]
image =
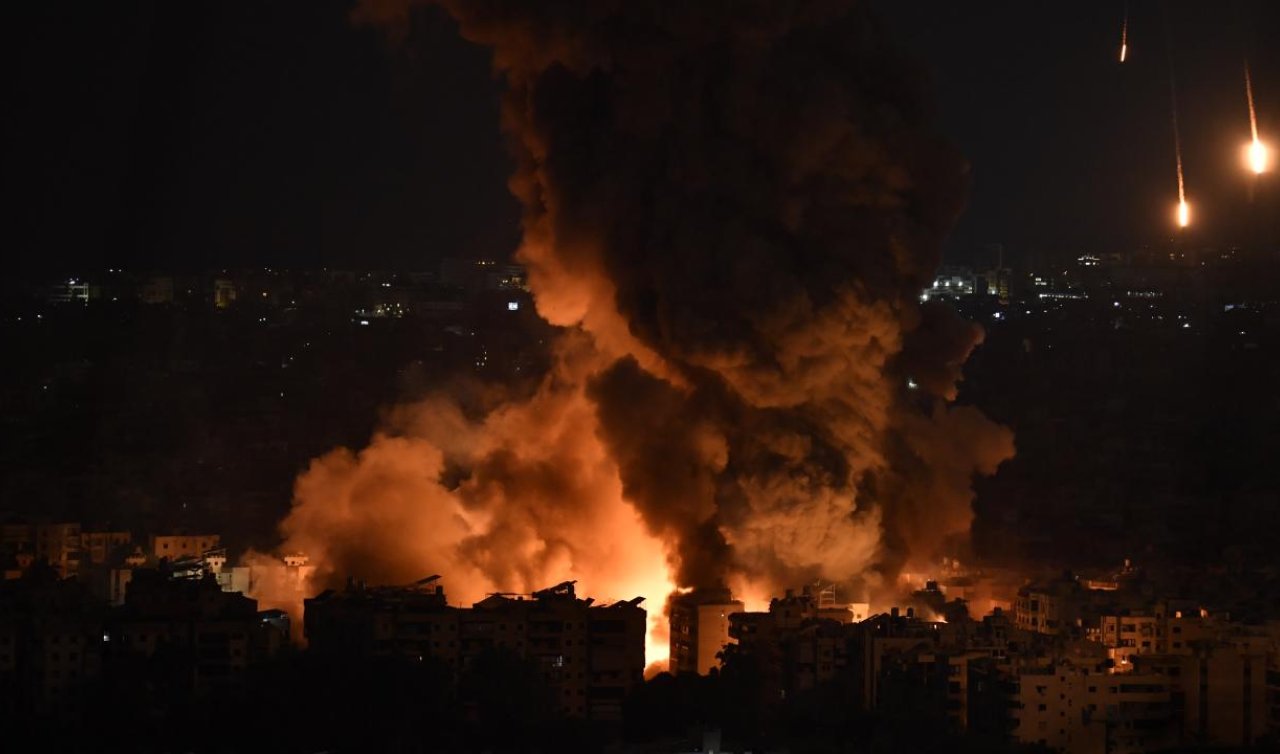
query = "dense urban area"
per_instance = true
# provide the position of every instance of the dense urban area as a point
(1120, 591)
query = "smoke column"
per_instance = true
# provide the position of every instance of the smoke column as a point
(731, 209)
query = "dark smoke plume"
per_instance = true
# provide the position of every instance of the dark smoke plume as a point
(732, 206)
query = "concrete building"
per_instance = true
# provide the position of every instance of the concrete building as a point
(59, 545)
(802, 638)
(98, 546)
(50, 646)
(997, 282)
(700, 629)
(17, 536)
(175, 546)
(70, 291)
(1221, 695)
(1050, 607)
(888, 638)
(1086, 710)
(589, 655)
(1129, 635)
(224, 293)
(951, 282)
(216, 635)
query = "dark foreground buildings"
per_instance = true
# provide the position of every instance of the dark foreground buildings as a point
(67, 656)
(588, 655)
(1082, 665)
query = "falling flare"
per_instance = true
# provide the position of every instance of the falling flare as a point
(1184, 210)
(1256, 152)
(1124, 35)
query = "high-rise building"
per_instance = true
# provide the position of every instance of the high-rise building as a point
(1086, 710)
(59, 546)
(1220, 688)
(700, 629)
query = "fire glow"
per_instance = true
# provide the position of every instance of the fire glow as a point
(1258, 157)
(700, 425)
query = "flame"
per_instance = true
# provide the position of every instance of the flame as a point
(754, 595)
(1124, 51)
(1184, 213)
(657, 636)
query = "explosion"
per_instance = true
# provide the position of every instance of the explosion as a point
(730, 209)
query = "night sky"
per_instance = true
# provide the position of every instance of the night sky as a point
(198, 135)
(1072, 151)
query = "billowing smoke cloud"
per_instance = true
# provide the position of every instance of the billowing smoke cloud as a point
(505, 501)
(732, 208)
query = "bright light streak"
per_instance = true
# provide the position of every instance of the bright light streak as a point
(1257, 156)
(1184, 210)
(1124, 35)
(1248, 93)
(1256, 153)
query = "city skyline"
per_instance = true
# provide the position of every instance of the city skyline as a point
(794, 375)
